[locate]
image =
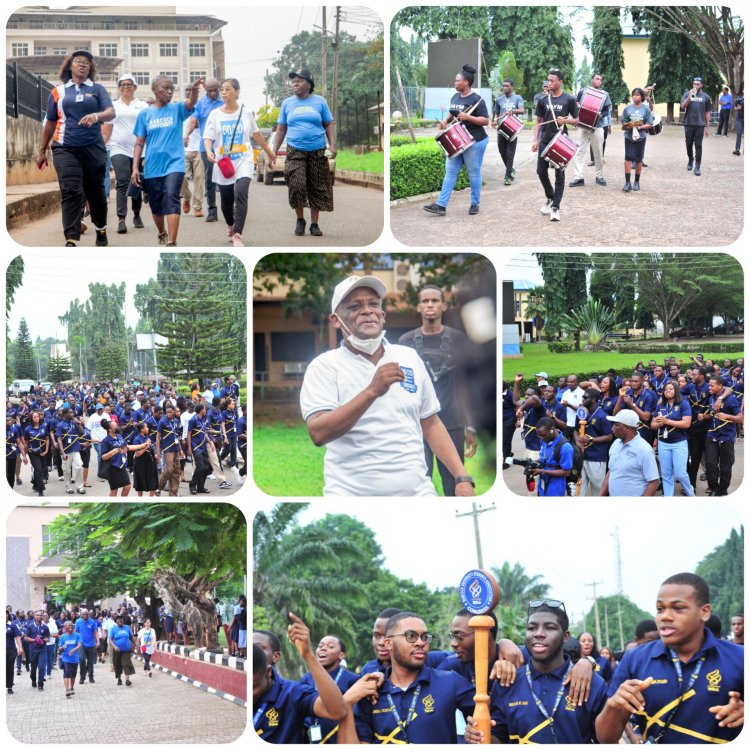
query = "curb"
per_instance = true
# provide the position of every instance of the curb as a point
(361, 179)
(415, 198)
(38, 205)
(202, 654)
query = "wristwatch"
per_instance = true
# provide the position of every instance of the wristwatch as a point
(467, 478)
(592, 661)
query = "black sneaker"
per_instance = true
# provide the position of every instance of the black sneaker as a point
(315, 230)
(636, 186)
(212, 215)
(33, 684)
(299, 227)
(736, 152)
(627, 187)
(697, 170)
(690, 166)
(70, 243)
(435, 208)
(128, 683)
(41, 687)
(577, 183)
(19, 480)
(101, 238)
(91, 680)
(119, 681)
(137, 221)
(473, 209)
(122, 227)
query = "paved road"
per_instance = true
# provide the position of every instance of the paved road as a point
(666, 211)
(356, 221)
(156, 710)
(516, 482)
(56, 488)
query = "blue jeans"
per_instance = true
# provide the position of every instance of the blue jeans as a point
(51, 653)
(472, 158)
(673, 459)
(38, 666)
(106, 174)
(739, 124)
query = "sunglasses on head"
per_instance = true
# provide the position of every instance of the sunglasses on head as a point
(551, 603)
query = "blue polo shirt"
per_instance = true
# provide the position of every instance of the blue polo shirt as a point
(519, 720)
(529, 434)
(279, 714)
(230, 422)
(242, 429)
(120, 635)
(197, 434)
(631, 467)
(66, 643)
(36, 437)
(169, 429)
(12, 631)
(344, 679)
(645, 401)
(109, 444)
(32, 631)
(554, 486)
(720, 430)
(12, 434)
(676, 412)
(68, 103)
(215, 420)
(203, 108)
(556, 409)
(69, 433)
(596, 425)
(722, 671)
(603, 668)
(738, 387)
(698, 401)
(162, 129)
(658, 385)
(87, 630)
(305, 118)
(433, 719)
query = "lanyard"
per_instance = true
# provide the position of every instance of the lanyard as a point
(558, 698)
(338, 676)
(410, 715)
(258, 714)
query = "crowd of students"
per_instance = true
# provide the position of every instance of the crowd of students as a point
(675, 682)
(666, 424)
(142, 436)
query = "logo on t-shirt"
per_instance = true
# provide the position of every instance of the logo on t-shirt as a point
(714, 681)
(429, 704)
(408, 383)
(273, 717)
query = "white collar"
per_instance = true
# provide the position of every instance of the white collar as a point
(87, 82)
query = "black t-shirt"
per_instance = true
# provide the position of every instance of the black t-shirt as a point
(564, 105)
(444, 362)
(462, 104)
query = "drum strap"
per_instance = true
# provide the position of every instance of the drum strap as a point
(472, 108)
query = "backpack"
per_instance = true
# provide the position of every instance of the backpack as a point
(575, 471)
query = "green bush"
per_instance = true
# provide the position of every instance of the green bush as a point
(400, 139)
(650, 349)
(419, 168)
(560, 347)
(416, 122)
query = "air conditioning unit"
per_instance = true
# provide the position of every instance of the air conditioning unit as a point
(404, 273)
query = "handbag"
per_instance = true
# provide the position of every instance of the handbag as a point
(225, 163)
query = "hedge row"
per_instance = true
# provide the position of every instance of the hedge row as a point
(416, 122)
(419, 168)
(723, 348)
(405, 140)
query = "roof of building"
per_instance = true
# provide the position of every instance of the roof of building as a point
(524, 285)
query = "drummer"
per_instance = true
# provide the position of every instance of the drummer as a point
(636, 118)
(507, 103)
(592, 138)
(463, 100)
(554, 111)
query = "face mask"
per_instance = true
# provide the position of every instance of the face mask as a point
(366, 346)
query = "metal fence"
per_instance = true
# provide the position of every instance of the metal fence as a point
(25, 93)
(360, 121)
(414, 100)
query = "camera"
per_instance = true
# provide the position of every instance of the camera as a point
(528, 464)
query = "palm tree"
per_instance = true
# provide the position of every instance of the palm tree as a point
(517, 587)
(592, 319)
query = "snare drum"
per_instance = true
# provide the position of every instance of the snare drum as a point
(590, 108)
(560, 150)
(455, 139)
(656, 126)
(509, 127)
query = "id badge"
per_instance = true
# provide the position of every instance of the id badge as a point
(314, 734)
(79, 98)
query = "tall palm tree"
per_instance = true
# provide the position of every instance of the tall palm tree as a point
(517, 587)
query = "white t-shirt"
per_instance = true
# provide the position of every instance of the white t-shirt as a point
(185, 418)
(122, 140)
(94, 425)
(383, 454)
(194, 140)
(573, 397)
(219, 128)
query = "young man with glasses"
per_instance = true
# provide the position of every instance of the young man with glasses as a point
(372, 404)
(538, 707)
(415, 703)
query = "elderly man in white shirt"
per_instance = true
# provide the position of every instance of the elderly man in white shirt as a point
(572, 398)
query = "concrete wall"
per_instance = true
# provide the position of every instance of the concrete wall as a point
(22, 142)
(17, 581)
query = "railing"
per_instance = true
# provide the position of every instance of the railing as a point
(110, 26)
(359, 122)
(25, 93)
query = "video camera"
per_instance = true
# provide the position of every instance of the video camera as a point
(527, 463)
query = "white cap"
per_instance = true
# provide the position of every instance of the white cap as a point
(126, 77)
(625, 416)
(353, 282)
(541, 375)
(542, 382)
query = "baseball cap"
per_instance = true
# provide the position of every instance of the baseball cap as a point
(99, 406)
(542, 382)
(126, 77)
(354, 282)
(627, 417)
(541, 375)
(83, 52)
(698, 79)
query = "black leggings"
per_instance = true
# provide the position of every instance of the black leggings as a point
(234, 203)
(37, 464)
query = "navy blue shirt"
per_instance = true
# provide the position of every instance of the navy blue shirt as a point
(344, 679)
(68, 103)
(12, 631)
(279, 714)
(36, 437)
(675, 412)
(197, 434)
(109, 444)
(596, 425)
(529, 434)
(12, 434)
(645, 401)
(32, 631)
(170, 430)
(519, 720)
(720, 429)
(433, 719)
(69, 433)
(722, 671)
(556, 409)
(698, 401)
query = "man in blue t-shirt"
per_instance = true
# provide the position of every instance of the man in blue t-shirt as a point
(87, 627)
(556, 458)
(685, 687)
(161, 127)
(725, 107)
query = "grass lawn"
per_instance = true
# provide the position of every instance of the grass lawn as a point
(287, 464)
(537, 358)
(371, 161)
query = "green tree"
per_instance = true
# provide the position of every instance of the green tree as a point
(724, 570)
(564, 277)
(24, 363)
(606, 50)
(13, 280)
(111, 362)
(612, 609)
(613, 283)
(267, 116)
(59, 369)
(592, 319)
(583, 74)
(516, 586)
(507, 68)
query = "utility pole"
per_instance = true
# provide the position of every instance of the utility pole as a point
(324, 57)
(474, 513)
(605, 642)
(597, 623)
(335, 87)
(266, 92)
(618, 571)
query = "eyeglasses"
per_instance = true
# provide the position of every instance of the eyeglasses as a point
(458, 637)
(551, 603)
(81, 61)
(412, 636)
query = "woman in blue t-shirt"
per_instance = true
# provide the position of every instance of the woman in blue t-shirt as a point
(115, 450)
(672, 419)
(307, 123)
(69, 644)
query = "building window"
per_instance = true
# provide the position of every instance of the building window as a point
(139, 50)
(108, 50)
(131, 25)
(196, 74)
(142, 79)
(40, 50)
(20, 49)
(293, 346)
(170, 74)
(59, 50)
(168, 50)
(197, 49)
(49, 547)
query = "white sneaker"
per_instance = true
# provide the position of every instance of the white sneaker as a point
(224, 486)
(210, 476)
(554, 214)
(236, 470)
(547, 207)
(237, 240)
